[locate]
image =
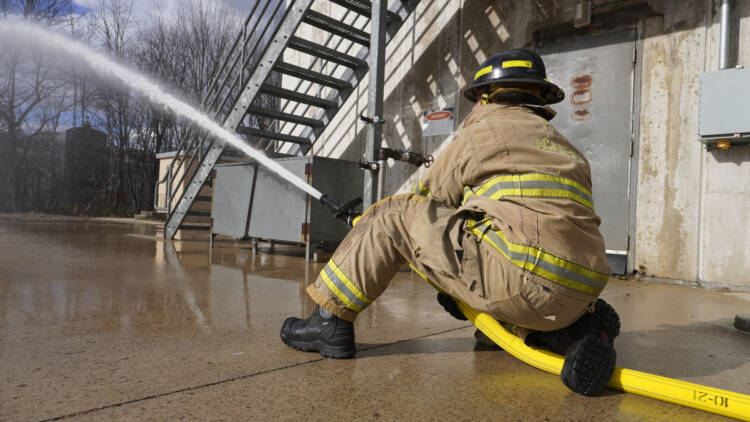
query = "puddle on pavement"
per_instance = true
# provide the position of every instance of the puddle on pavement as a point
(127, 277)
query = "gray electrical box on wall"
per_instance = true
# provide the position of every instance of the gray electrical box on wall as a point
(724, 108)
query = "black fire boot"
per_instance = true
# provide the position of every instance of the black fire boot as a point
(588, 347)
(589, 364)
(603, 322)
(484, 342)
(323, 332)
(450, 306)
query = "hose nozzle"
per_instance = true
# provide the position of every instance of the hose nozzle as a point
(344, 212)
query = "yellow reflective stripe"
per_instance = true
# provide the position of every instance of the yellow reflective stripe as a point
(541, 193)
(417, 271)
(517, 63)
(421, 189)
(483, 71)
(525, 177)
(348, 283)
(540, 262)
(332, 287)
(547, 177)
(532, 185)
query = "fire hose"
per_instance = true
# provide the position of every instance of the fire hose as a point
(709, 399)
(688, 394)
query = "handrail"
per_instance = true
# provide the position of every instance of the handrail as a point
(265, 35)
(156, 195)
(186, 168)
(188, 145)
(233, 66)
(215, 76)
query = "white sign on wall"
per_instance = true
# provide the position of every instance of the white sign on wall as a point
(437, 122)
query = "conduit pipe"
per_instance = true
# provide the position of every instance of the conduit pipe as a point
(726, 14)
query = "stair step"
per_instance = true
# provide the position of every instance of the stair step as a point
(312, 76)
(363, 8)
(298, 97)
(199, 213)
(273, 135)
(203, 198)
(336, 27)
(278, 115)
(325, 53)
(193, 227)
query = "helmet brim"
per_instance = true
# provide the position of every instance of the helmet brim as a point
(552, 93)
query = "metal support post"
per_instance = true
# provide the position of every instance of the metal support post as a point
(724, 42)
(376, 62)
(381, 178)
(168, 199)
(242, 55)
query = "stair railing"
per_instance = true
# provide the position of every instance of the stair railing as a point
(193, 144)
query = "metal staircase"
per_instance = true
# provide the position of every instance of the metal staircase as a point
(277, 105)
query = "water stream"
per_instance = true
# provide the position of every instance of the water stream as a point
(22, 33)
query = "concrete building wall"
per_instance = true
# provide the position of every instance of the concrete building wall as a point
(427, 64)
(726, 180)
(691, 203)
(668, 203)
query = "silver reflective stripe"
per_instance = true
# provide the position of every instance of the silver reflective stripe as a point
(536, 184)
(342, 288)
(531, 185)
(544, 264)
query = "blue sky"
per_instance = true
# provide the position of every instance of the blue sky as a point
(142, 9)
(79, 9)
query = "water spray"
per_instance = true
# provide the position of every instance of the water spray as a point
(21, 31)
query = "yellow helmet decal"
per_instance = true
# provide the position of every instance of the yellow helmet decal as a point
(483, 71)
(517, 63)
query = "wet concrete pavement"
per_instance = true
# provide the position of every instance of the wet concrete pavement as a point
(110, 322)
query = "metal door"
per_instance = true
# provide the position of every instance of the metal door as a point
(597, 117)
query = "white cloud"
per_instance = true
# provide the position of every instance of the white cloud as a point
(145, 9)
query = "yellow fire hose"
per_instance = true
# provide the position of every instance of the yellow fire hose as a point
(708, 399)
(684, 393)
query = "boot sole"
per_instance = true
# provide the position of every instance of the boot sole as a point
(326, 350)
(608, 318)
(589, 365)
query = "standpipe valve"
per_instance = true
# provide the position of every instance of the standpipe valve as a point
(375, 120)
(369, 165)
(407, 156)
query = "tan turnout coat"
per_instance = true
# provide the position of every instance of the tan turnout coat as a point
(503, 220)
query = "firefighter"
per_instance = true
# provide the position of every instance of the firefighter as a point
(503, 220)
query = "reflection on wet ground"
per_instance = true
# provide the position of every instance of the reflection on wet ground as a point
(127, 276)
(110, 321)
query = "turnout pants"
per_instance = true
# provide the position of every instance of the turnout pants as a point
(429, 235)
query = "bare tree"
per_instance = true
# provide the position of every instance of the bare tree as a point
(184, 52)
(113, 25)
(28, 86)
(37, 95)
